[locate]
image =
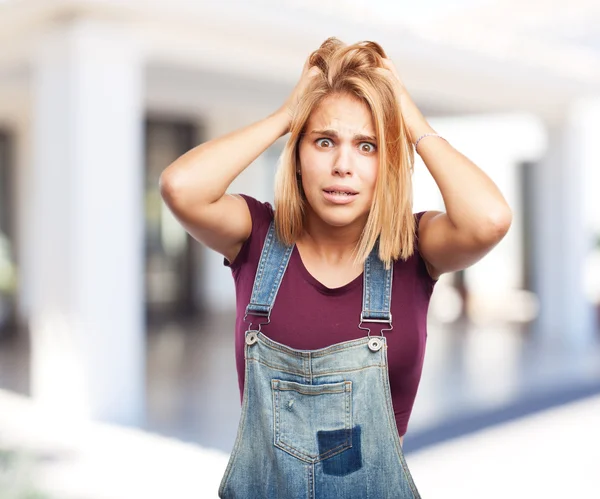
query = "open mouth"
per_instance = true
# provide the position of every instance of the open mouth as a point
(341, 193)
(339, 196)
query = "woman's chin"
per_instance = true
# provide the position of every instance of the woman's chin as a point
(339, 216)
(340, 220)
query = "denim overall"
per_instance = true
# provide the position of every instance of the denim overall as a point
(317, 423)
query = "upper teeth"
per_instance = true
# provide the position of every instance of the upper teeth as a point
(340, 192)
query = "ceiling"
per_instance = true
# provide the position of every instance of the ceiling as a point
(479, 56)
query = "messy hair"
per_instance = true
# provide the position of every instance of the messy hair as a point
(354, 70)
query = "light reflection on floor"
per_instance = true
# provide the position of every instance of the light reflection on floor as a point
(472, 378)
(550, 454)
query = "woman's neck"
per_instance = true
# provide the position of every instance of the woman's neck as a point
(332, 245)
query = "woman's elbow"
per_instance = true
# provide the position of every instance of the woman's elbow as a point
(166, 187)
(496, 226)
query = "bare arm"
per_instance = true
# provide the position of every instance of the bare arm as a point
(477, 217)
(194, 186)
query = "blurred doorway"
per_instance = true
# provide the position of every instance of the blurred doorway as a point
(170, 263)
(8, 268)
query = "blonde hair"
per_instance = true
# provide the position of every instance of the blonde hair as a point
(353, 70)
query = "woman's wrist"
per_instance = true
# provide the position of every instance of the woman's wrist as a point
(418, 129)
(413, 118)
(282, 119)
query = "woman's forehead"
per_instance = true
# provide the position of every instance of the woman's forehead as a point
(342, 114)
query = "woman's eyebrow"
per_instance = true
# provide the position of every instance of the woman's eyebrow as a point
(368, 138)
(334, 134)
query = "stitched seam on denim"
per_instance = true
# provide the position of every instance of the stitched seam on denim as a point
(343, 390)
(261, 265)
(270, 254)
(319, 374)
(286, 351)
(261, 280)
(278, 368)
(311, 480)
(261, 268)
(394, 429)
(346, 345)
(241, 428)
(316, 374)
(388, 289)
(306, 368)
(267, 342)
(349, 410)
(336, 450)
(367, 284)
(310, 458)
(341, 387)
(275, 421)
(359, 343)
(342, 371)
(294, 452)
(387, 275)
(279, 277)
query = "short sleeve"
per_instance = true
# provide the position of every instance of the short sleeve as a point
(261, 214)
(422, 267)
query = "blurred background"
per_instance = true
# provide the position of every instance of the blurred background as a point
(117, 373)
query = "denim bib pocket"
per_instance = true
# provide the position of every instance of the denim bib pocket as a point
(301, 412)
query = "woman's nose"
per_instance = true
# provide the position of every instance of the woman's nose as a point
(343, 163)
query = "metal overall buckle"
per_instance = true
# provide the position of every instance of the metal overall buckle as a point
(252, 334)
(375, 342)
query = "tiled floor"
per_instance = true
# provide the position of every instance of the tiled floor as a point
(472, 379)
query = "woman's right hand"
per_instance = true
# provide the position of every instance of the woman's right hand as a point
(291, 104)
(194, 186)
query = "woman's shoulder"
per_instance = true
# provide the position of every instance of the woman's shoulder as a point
(418, 216)
(416, 261)
(260, 211)
(261, 214)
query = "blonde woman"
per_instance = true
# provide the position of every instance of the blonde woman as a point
(333, 284)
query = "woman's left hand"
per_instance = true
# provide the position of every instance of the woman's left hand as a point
(413, 118)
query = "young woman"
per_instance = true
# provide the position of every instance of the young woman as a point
(333, 285)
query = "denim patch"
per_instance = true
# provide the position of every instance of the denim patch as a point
(345, 462)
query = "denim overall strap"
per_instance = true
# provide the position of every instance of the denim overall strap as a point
(271, 267)
(377, 289)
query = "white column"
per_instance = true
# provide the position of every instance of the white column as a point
(590, 113)
(88, 332)
(495, 143)
(561, 240)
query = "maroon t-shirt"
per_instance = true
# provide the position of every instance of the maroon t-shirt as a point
(308, 315)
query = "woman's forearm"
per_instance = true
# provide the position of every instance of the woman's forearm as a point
(473, 202)
(203, 174)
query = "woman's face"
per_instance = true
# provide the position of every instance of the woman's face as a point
(339, 161)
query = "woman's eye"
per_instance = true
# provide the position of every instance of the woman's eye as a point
(320, 142)
(367, 147)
